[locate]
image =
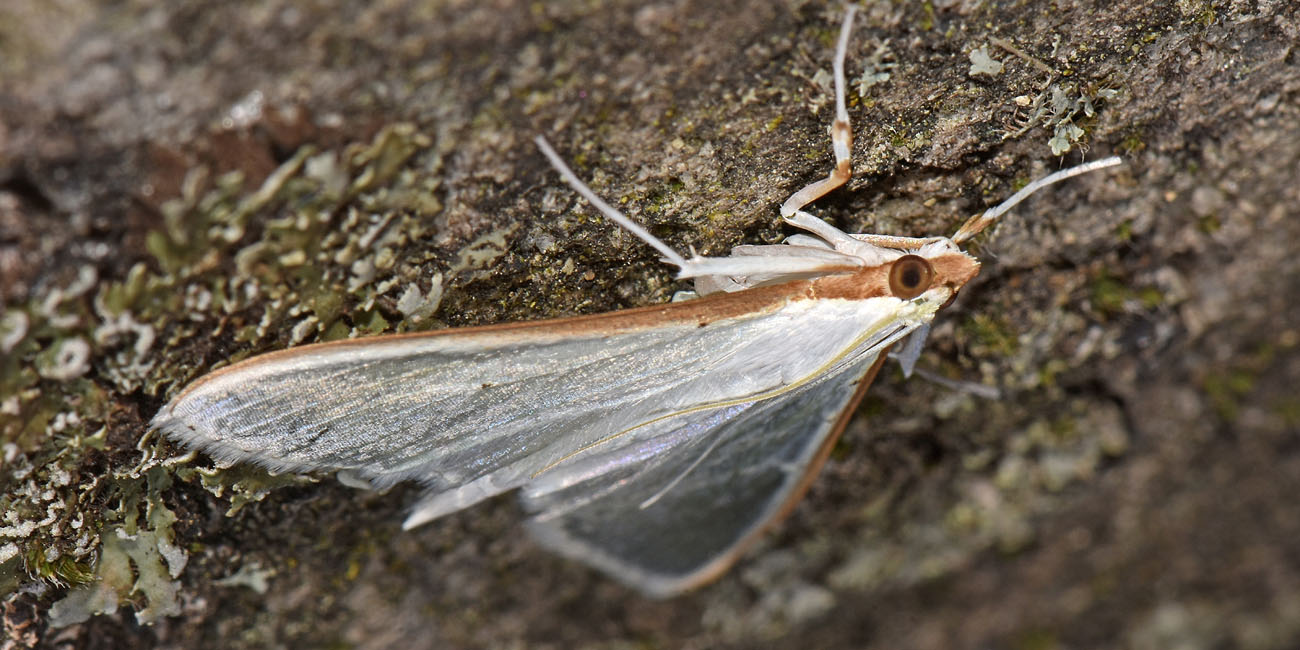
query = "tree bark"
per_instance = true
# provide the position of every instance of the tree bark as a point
(187, 183)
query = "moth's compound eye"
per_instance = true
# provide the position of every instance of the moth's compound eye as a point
(910, 276)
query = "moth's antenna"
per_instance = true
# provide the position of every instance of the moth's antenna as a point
(606, 209)
(979, 222)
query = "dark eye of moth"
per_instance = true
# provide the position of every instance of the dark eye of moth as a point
(910, 276)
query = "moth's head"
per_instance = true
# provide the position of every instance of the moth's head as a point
(928, 275)
(934, 273)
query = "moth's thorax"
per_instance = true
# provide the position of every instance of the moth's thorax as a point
(952, 270)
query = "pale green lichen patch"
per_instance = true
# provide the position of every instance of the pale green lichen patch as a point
(252, 576)
(137, 562)
(417, 305)
(129, 566)
(481, 252)
(113, 578)
(1063, 108)
(983, 64)
(321, 232)
(46, 435)
(875, 69)
(242, 484)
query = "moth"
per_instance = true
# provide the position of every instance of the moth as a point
(655, 443)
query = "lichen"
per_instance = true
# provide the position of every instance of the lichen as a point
(54, 412)
(136, 563)
(982, 63)
(242, 484)
(252, 576)
(875, 69)
(129, 566)
(1060, 108)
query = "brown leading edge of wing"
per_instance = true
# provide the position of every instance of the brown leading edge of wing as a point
(953, 269)
(861, 284)
(716, 568)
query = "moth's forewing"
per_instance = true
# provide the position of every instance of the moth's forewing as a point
(668, 521)
(442, 407)
(475, 412)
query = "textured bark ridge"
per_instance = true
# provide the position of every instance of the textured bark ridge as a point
(184, 184)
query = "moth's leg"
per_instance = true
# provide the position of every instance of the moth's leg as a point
(841, 134)
(968, 387)
(868, 252)
(891, 241)
(834, 236)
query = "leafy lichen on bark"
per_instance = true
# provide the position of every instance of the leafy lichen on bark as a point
(1139, 322)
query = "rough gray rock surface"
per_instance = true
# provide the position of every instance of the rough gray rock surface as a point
(188, 182)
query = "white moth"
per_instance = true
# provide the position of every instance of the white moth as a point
(652, 443)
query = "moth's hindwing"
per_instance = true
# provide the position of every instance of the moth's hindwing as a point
(681, 516)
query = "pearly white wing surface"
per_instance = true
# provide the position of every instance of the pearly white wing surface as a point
(589, 415)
